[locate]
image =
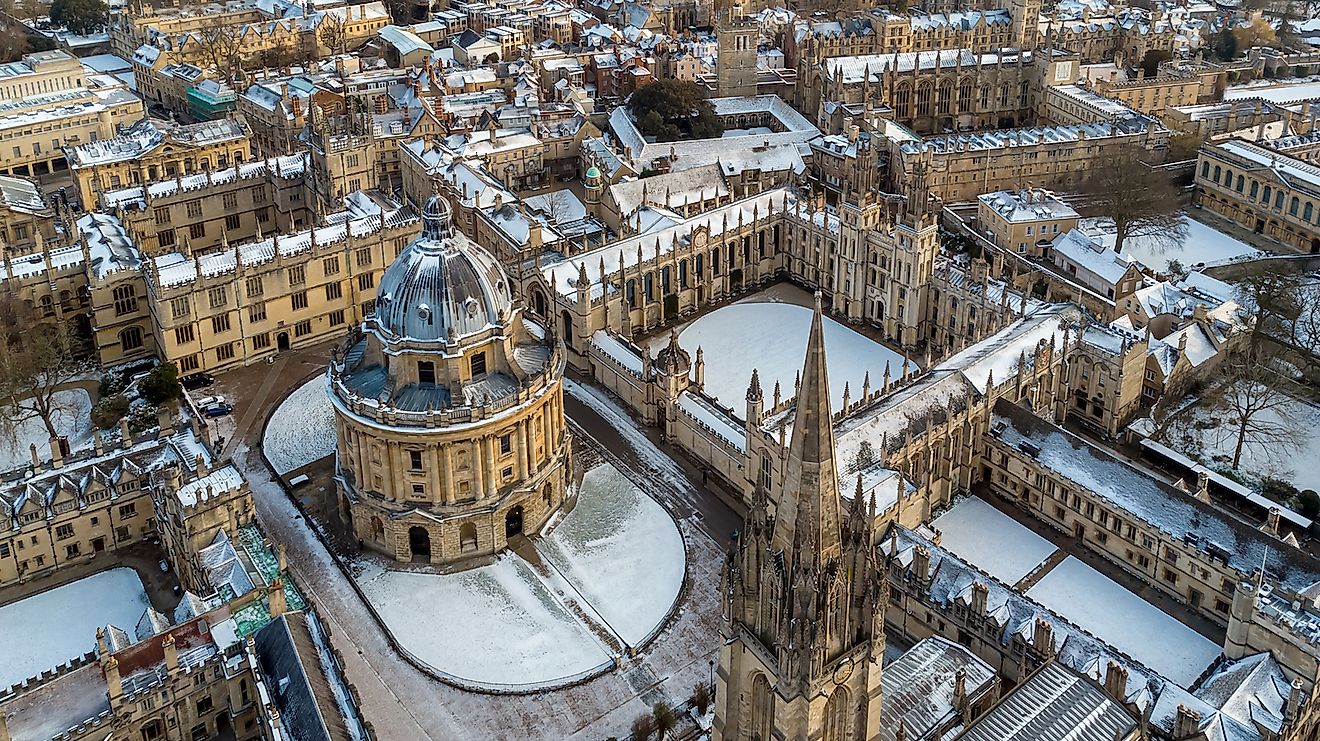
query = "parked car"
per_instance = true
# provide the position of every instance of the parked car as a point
(196, 381)
(217, 410)
(210, 401)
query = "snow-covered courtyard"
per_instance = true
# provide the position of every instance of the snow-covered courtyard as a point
(302, 429)
(1125, 621)
(50, 628)
(991, 540)
(1203, 244)
(768, 331)
(493, 626)
(72, 418)
(605, 577)
(1206, 432)
(617, 548)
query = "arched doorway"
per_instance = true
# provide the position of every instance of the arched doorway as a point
(513, 522)
(377, 530)
(538, 302)
(419, 542)
(1315, 245)
(282, 341)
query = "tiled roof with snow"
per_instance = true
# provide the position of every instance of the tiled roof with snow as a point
(1197, 525)
(1020, 206)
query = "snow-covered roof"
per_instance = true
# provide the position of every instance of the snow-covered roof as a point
(1195, 524)
(919, 686)
(1053, 703)
(1075, 249)
(1028, 205)
(176, 269)
(561, 276)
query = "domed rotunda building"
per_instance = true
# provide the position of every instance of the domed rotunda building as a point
(448, 407)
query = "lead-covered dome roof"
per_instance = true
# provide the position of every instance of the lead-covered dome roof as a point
(442, 286)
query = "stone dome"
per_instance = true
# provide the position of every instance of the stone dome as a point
(442, 286)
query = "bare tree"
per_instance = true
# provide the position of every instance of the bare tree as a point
(1142, 201)
(37, 361)
(559, 206)
(1274, 297)
(331, 33)
(1257, 411)
(221, 46)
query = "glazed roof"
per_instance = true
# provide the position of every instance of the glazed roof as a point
(442, 286)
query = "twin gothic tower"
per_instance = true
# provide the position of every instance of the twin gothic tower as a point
(803, 596)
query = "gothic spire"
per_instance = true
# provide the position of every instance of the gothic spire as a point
(808, 511)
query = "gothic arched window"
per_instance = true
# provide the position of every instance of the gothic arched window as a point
(763, 709)
(836, 715)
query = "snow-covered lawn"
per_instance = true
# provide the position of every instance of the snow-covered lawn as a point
(493, 625)
(991, 540)
(72, 418)
(302, 428)
(1125, 621)
(1203, 244)
(621, 551)
(50, 628)
(615, 564)
(771, 336)
(1206, 432)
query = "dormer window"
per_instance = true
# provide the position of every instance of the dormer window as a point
(426, 372)
(478, 363)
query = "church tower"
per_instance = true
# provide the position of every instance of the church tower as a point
(735, 66)
(1026, 23)
(803, 596)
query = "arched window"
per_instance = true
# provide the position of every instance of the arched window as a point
(763, 709)
(945, 100)
(924, 95)
(1205, 169)
(1238, 187)
(1219, 172)
(130, 339)
(965, 94)
(1293, 205)
(836, 715)
(125, 300)
(1308, 211)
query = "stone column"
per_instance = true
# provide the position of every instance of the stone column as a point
(488, 461)
(447, 474)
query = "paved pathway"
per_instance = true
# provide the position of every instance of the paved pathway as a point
(403, 703)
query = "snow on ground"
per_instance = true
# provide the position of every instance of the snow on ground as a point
(648, 455)
(493, 625)
(621, 551)
(1203, 244)
(771, 336)
(50, 628)
(72, 418)
(302, 428)
(1125, 621)
(991, 540)
(1206, 432)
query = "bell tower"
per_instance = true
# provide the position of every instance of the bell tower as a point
(1026, 23)
(803, 597)
(735, 66)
